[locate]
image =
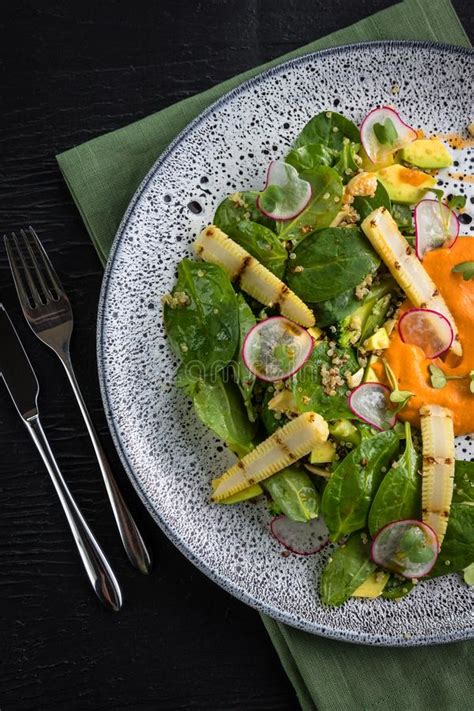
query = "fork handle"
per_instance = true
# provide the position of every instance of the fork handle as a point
(132, 540)
(97, 567)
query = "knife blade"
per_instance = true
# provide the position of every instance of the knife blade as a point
(16, 369)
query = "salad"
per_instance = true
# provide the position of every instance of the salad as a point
(324, 332)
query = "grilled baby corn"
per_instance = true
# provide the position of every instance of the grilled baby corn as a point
(215, 246)
(438, 466)
(282, 448)
(406, 268)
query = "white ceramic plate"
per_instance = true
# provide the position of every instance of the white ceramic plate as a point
(169, 456)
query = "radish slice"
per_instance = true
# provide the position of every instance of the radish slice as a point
(276, 348)
(285, 194)
(395, 132)
(409, 548)
(436, 226)
(300, 537)
(370, 402)
(428, 329)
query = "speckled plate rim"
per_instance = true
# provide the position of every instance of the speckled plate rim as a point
(221, 580)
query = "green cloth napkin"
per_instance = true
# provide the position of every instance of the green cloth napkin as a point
(102, 176)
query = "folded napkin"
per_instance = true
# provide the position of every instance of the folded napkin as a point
(102, 176)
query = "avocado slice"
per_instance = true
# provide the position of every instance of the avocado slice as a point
(405, 184)
(426, 153)
(323, 453)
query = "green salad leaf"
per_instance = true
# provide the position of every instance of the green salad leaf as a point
(403, 217)
(399, 495)
(294, 493)
(309, 157)
(348, 567)
(346, 164)
(243, 377)
(263, 244)
(351, 489)
(310, 384)
(220, 407)
(397, 587)
(331, 311)
(240, 207)
(328, 128)
(365, 205)
(457, 550)
(463, 482)
(332, 261)
(326, 186)
(202, 320)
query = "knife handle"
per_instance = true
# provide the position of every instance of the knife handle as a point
(97, 567)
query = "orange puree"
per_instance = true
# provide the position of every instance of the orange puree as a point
(409, 363)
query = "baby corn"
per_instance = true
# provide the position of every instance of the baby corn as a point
(215, 246)
(282, 448)
(438, 466)
(400, 258)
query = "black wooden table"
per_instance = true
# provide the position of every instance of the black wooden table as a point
(70, 72)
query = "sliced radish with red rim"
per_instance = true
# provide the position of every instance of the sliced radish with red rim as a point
(383, 131)
(409, 548)
(370, 402)
(427, 329)
(436, 225)
(285, 194)
(300, 537)
(276, 348)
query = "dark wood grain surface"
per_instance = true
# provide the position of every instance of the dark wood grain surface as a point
(69, 72)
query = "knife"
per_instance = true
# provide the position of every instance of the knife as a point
(20, 380)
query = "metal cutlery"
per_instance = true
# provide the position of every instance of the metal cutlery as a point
(48, 312)
(21, 382)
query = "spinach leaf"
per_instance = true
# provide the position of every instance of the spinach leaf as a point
(332, 261)
(403, 217)
(307, 158)
(346, 165)
(463, 482)
(243, 377)
(294, 493)
(328, 128)
(350, 490)
(237, 208)
(310, 384)
(269, 419)
(201, 318)
(457, 549)
(219, 406)
(399, 495)
(397, 587)
(333, 310)
(263, 244)
(365, 205)
(348, 567)
(326, 186)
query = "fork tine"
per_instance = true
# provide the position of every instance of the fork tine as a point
(55, 281)
(16, 273)
(36, 267)
(26, 271)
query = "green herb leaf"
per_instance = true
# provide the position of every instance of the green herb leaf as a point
(457, 202)
(386, 133)
(437, 377)
(438, 192)
(466, 269)
(400, 396)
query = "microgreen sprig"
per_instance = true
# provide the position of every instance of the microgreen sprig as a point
(439, 378)
(397, 396)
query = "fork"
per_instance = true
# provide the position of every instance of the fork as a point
(48, 312)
